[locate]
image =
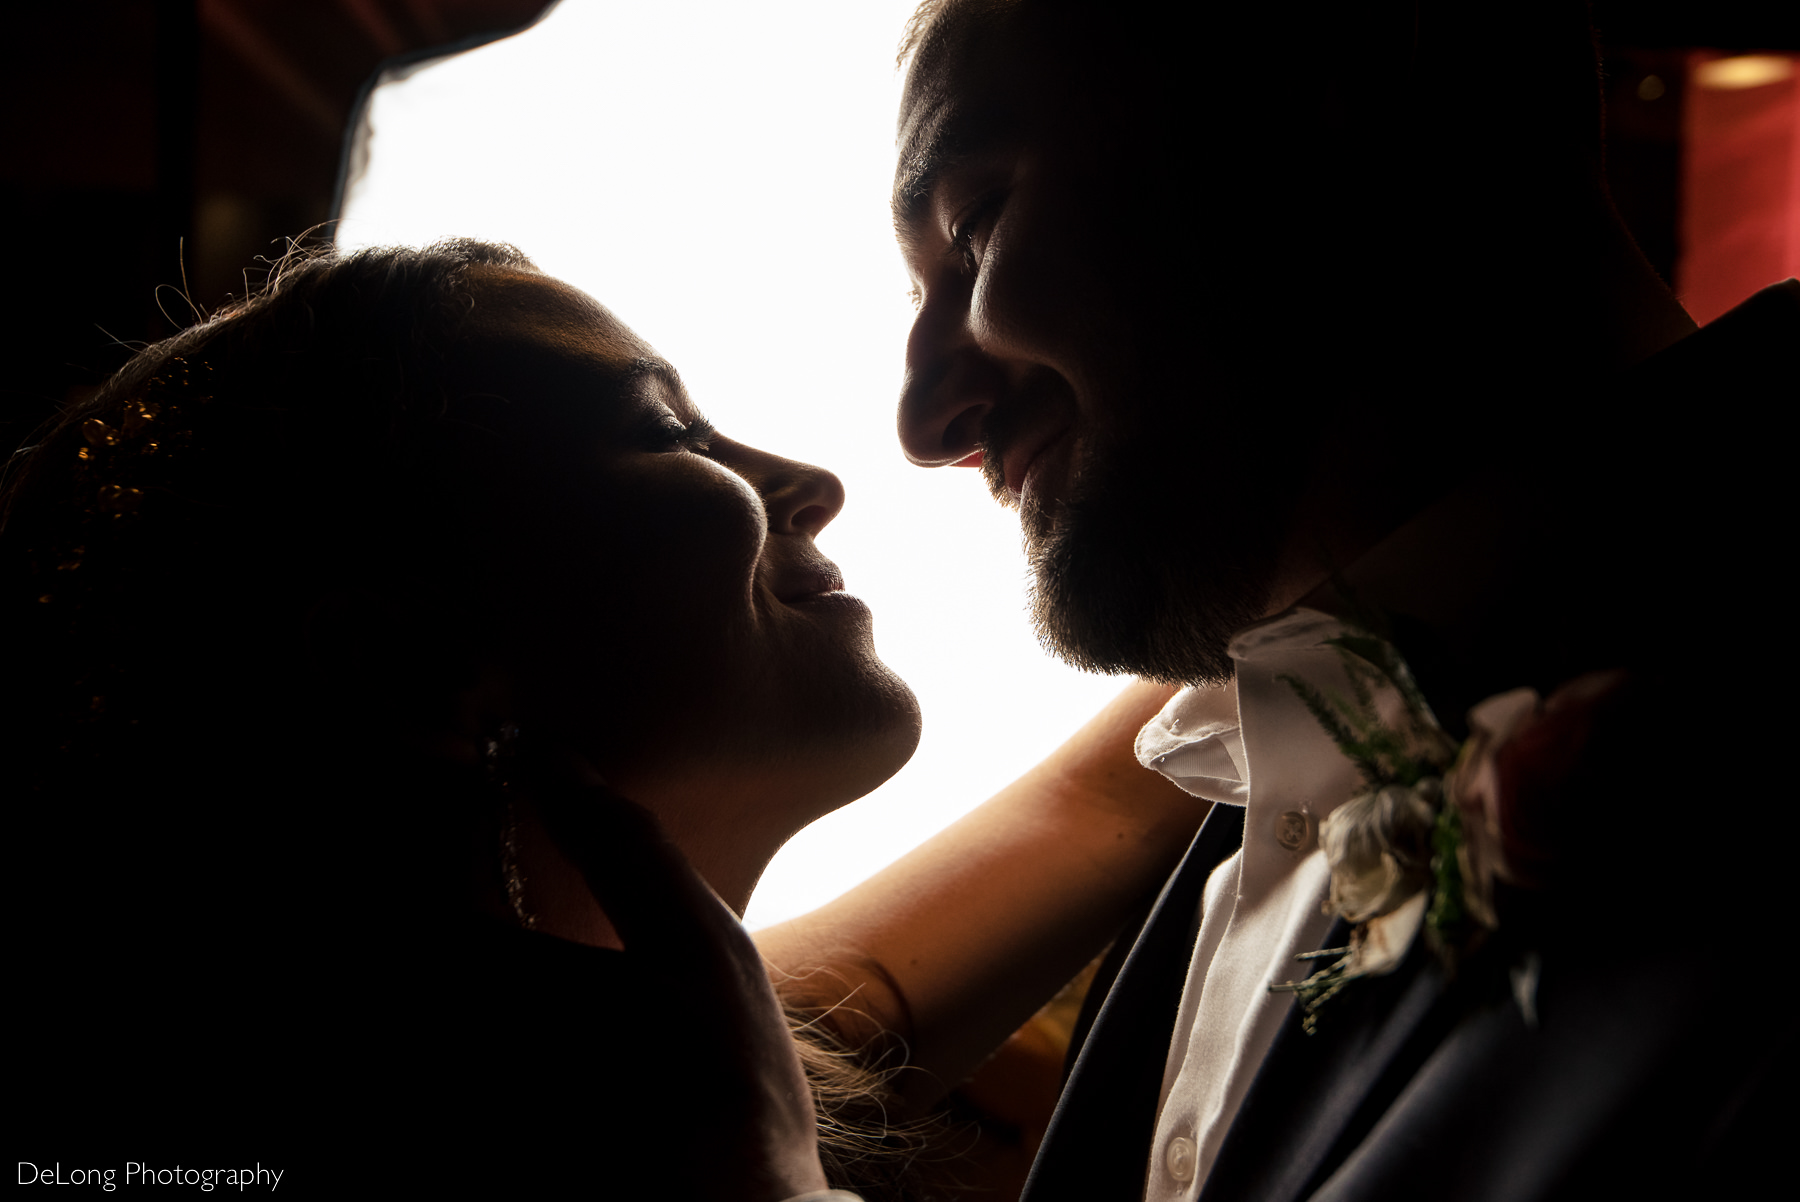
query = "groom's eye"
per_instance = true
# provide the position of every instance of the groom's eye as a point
(972, 225)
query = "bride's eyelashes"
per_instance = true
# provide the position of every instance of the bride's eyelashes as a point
(663, 431)
(697, 436)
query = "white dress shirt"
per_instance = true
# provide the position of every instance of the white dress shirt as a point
(1252, 745)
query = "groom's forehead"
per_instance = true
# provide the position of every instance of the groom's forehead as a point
(940, 131)
(975, 86)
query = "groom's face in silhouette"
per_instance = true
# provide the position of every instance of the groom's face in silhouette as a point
(1056, 347)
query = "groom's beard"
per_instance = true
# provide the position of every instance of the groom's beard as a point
(1151, 564)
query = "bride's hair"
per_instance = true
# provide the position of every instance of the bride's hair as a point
(174, 553)
(178, 555)
(298, 440)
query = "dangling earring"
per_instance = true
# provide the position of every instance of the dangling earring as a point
(499, 753)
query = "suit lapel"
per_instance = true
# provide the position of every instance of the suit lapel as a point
(1316, 1096)
(1098, 1141)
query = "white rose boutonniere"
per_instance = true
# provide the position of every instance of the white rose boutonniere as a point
(1439, 826)
(1379, 848)
(1386, 846)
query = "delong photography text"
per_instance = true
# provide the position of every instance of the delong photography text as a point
(138, 1173)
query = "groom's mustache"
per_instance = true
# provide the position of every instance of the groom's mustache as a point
(1024, 422)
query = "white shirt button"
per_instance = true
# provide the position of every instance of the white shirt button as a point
(1293, 829)
(1179, 1158)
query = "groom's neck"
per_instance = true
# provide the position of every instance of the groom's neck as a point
(1496, 568)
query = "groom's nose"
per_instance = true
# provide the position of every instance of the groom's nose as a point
(951, 384)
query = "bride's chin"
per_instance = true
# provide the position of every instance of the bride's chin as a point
(874, 744)
(764, 760)
(812, 776)
(873, 761)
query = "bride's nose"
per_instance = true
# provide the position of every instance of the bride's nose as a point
(800, 498)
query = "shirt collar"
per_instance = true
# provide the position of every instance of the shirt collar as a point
(1199, 742)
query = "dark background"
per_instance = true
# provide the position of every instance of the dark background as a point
(155, 149)
(145, 139)
(145, 136)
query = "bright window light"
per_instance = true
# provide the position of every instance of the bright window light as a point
(717, 174)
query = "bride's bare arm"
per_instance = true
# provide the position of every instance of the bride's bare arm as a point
(957, 943)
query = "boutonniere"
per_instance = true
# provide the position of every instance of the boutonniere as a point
(1438, 826)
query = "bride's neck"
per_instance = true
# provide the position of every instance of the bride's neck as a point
(556, 896)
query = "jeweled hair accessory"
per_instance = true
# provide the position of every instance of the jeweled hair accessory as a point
(125, 454)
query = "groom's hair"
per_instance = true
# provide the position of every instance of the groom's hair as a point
(1522, 79)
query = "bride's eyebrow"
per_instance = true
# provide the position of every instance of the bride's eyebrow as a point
(662, 371)
(644, 368)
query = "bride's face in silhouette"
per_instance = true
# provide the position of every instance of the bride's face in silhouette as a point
(675, 621)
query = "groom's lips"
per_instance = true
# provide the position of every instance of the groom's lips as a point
(1037, 416)
(1018, 459)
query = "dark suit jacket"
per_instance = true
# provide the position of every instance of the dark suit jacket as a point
(1661, 1039)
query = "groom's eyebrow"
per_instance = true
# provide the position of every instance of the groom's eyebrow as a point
(915, 183)
(963, 134)
(929, 156)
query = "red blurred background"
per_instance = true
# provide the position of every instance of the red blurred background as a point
(1740, 178)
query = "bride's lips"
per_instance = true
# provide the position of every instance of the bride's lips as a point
(811, 581)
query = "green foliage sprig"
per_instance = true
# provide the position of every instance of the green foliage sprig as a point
(1383, 754)
(1413, 753)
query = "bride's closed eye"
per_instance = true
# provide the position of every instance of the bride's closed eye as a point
(663, 431)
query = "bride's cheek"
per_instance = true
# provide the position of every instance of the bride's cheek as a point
(726, 530)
